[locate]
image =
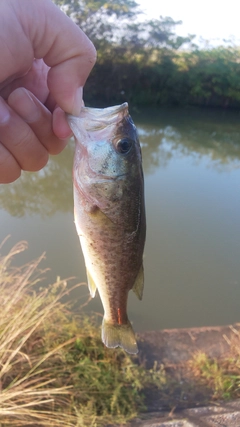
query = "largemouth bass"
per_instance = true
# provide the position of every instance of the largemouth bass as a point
(110, 214)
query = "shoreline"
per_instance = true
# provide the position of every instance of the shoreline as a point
(178, 345)
(174, 348)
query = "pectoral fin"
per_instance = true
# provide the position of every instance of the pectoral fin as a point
(91, 284)
(138, 284)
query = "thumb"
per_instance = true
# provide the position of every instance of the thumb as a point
(64, 48)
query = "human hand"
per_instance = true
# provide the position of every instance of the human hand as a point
(45, 61)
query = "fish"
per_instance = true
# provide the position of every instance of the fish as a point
(109, 213)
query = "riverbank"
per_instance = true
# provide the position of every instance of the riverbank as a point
(202, 365)
(203, 368)
(55, 370)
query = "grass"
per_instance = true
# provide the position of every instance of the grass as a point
(221, 376)
(55, 371)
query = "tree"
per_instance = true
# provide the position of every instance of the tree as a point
(99, 19)
(115, 22)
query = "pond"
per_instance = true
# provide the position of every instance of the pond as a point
(192, 183)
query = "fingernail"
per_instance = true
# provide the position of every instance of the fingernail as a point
(25, 105)
(4, 112)
(78, 102)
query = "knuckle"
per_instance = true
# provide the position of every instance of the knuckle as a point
(24, 138)
(30, 153)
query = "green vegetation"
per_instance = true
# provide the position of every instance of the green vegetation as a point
(146, 63)
(221, 376)
(55, 371)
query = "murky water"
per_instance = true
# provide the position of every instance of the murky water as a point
(192, 256)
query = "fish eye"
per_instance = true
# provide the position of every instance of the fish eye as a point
(124, 145)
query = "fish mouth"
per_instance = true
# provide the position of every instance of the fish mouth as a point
(104, 113)
(95, 119)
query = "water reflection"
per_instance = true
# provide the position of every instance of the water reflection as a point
(163, 135)
(200, 134)
(191, 259)
(45, 192)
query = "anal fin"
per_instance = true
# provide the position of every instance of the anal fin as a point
(138, 284)
(91, 285)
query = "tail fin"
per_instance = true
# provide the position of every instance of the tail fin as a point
(115, 335)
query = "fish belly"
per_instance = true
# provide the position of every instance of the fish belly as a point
(106, 259)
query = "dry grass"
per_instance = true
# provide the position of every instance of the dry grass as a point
(25, 379)
(220, 375)
(54, 369)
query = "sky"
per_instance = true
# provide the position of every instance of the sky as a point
(213, 20)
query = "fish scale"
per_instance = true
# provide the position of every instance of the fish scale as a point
(109, 213)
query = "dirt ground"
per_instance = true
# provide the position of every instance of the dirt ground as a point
(174, 349)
